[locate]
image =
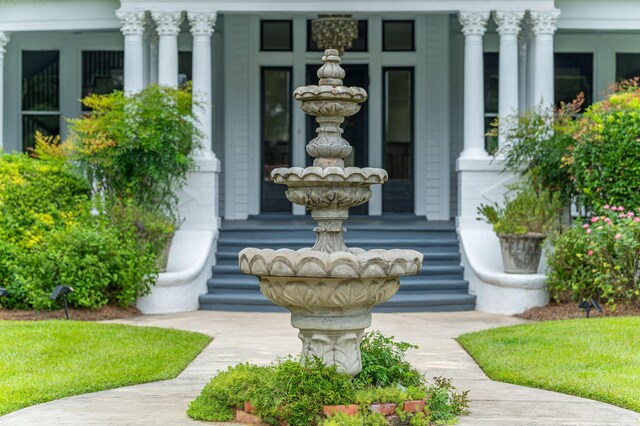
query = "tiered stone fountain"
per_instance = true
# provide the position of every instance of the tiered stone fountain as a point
(329, 288)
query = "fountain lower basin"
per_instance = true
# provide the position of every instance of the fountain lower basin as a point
(330, 295)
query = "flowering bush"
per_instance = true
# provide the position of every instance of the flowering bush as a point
(599, 258)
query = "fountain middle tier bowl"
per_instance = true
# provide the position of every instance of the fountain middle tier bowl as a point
(343, 176)
(308, 263)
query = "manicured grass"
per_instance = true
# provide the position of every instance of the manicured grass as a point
(47, 360)
(597, 358)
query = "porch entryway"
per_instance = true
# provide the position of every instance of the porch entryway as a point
(440, 286)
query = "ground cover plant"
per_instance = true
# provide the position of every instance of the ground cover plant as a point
(597, 358)
(46, 360)
(296, 392)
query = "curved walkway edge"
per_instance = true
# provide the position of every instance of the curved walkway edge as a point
(260, 337)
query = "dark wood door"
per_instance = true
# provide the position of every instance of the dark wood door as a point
(355, 127)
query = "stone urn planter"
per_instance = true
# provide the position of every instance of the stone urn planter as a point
(521, 253)
(330, 288)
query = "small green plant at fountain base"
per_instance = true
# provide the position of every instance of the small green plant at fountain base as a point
(297, 392)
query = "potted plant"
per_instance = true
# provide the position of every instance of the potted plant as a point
(522, 223)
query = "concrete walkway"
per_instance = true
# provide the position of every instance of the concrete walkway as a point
(260, 337)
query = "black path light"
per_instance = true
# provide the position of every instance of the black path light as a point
(587, 305)
(62, 290)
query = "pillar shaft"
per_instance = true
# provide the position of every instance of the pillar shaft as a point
(544, 26)
(168, 27)
(4, 40)
(133, 30)
(473, 28)
(202, 27)
(508, 27)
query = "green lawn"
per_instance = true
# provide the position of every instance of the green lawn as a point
(45, 360)
(597, 358)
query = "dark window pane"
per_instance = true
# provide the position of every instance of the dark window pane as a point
(47, 124)
(490, 140)
(102, 72)
(359, 45)
(397, 35)
(276, 35)
(398, 140)
(573, 74)
(627, 66)
(276, 134)
(491, 83)
(185, 65)
(40, 80)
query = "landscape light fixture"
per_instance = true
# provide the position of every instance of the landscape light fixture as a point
(62, 290)
(3, 292)
(587, 305)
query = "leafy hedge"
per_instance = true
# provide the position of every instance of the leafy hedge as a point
(51, 235)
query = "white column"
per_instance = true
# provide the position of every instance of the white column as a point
(527, 27)
(4, 40)
(474, 25)
(522, 70)
(202, 27)
(544, 26)
(508, 27)
(168, 25)
(133, 29)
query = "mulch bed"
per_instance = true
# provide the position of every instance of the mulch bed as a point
(104, 313)
(570, 310)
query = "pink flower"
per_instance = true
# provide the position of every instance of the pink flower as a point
(588, 231)
(614, 208)
(585, 226)
(621, 215)
(636, 219)
(620, 209)
(606, 207)
(630, 214)
(594, 219)
(618, 236)
(590, 252)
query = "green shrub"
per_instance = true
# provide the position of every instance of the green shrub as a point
(52, 233)
(529, 211)
(538, 141)
(599, 259)
(384, 362)
(137, 146)
(605, 161)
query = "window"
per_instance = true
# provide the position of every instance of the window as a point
(359, 45)
(397, 193)
(276, 134)
(102, 72)
(573, 74)
(397, 36)
(276, 35)
(491, 86)
(40, 94)
(185, 65)
(627, 66)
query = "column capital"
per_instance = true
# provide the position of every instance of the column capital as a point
(132, 22)
(202, 23)
(4, 40)
(544, 21)
(473, 23)
(508, 21)
(167, 23)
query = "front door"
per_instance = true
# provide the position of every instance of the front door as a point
(355, 127)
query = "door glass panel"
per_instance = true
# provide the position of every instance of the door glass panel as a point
(573, 75)
(102, 72)
(491, 85)
(397, 35)
(398, 140)
(276, 135)
(48, 125)
(276, 36)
